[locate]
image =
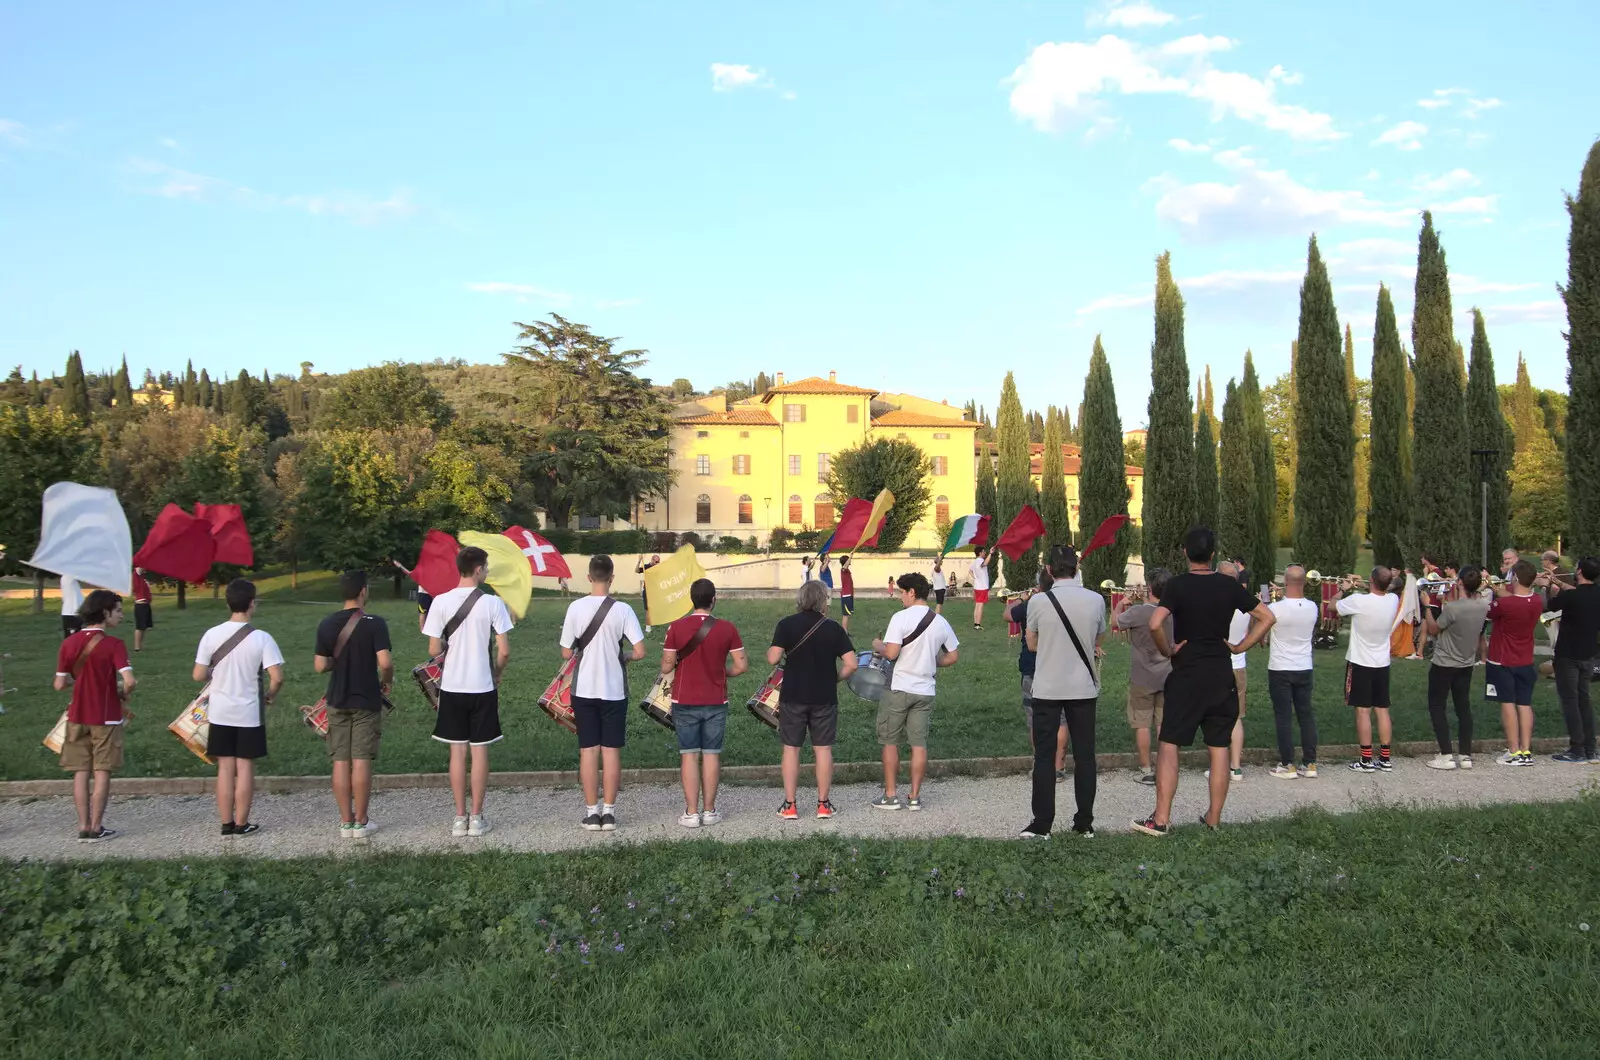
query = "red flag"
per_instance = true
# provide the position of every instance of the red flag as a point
(436, 566)
(1024, 530)
(545, 559)
(1106, 534)
(847, 532)
(179, 546)
(228, 529)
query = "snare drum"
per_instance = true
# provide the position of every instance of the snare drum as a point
(56, 738)
(872, 676)
(557, 698)
(764, 704)
(427, 677)
(193, 726)
(657, 703)
(316, 718)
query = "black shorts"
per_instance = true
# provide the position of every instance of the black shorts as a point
(938, 596)
(144, 615)
(70, 624)
(601, 722)
(796, 720)
(1204, 700)
(1366, 686)
(237, 741)
(468, 717)
(848, 605)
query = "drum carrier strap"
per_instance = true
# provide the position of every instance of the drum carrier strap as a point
(922, 627)
(459, 617)
(695, 641)
(814, 627)
(1076, 643)
(346, 633)
(589, 632)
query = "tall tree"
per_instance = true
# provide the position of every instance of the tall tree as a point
(123, 386)
(191, 386)
(1441, 470)
(1486, 428)
(1263, 554)
(75, 389)
(1169, 447)
(385, 397)
(1236, 521)
(1538, 494)
(206, 397)
(1014, 482)
(876, 464)
(1205, 465)
(1053, 484)
(1102, 474)
(1388, 480)
(1582, 296)
(985, 498)
(1324, 492)
(1360, 391)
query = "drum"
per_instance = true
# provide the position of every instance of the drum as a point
(427, 677)
(316, 718)
(764, 704)
(657, 703)
(872, 676)
(557, 698)
(193, 726)
(57, 736)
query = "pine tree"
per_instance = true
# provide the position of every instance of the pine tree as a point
(124, 386)
(1263, 554)
(1442, 473)
(1236, 519)
(1205, 464)
(1014, 483)
(986, 498)
(1388, 485)
(191, 386)
(1486, 428)
(1324, 490)
(206, 396)
(1053, 485)
(1169, 447)
(75, 389)
(1582, 297)
(1103, 472)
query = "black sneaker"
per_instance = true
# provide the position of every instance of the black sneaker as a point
(1362, 765)
(227, 829)
(1149, 827)
(1086, 832)
(608, 822)
(1033, 831)
(97, 836)
(591, 823)
(1207, 825)
(1570, 756)
(1386, 765)
(246, 829)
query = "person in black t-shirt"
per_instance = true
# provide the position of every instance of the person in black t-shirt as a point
(1575, 654)
(817, 655)
(1200, 692)
(360, 676)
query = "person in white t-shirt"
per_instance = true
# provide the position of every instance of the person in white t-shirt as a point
(469, 687)
(231, 657)
(918, 641)
(940, 586)
(1289, 674)
(1367, 663)
(71, 604)
(978, 570)
(600, 691)
(1238, 629)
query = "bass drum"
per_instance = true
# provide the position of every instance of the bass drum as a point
(872, 676)
(764, 704)
(657, 703)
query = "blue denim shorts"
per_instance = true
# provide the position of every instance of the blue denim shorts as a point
(700, 729)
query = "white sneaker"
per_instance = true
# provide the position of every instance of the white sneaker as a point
(1234, 775)
(348, 829)
(710, 817)
(459, 828)
(689, 820)
(479, 825)
(1442, 762)
(363, 831)
(1509, 758)
(1464, 762)
(1284, 771)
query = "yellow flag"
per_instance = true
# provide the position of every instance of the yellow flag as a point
(509, 574)
(880, 511)
(667, 586)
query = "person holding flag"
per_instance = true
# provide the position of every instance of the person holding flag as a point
(644, 591)
(847, 592)
(968, 530)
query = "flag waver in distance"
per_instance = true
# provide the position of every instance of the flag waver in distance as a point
(436, 565)
(969, 530)
(544, 559)
(1024, 530)
(667, 586)
(178, 546)
(1105, 535)
(509, 574)
(229, 532)
(881, 504)
(84, 534)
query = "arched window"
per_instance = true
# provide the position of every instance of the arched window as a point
(797, 514)
(747, 513)
(941, 511)
(702, 508)
(822, 512)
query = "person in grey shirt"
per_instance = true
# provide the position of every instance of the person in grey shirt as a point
(1065, 626)
(1455, 632)
(1147, 670)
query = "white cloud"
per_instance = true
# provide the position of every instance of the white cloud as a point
(13, 131)
(1474, 107)
(1527, 313)
(1432, 104)
(523, 291)
(1198, 44)
(1135, 15)
(1472, 204)
(169, 143)
(1406, 136)
(1188, 148)
(1451, 181)
(1253, 100)
(1278, 73)
(170, 182)
(728, 77)
(1372, 174)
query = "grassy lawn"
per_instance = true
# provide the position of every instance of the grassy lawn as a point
(1461, 933)
(978, 711)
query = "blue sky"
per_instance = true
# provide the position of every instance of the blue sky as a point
(919, 195)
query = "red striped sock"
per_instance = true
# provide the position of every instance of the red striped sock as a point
(1366, 753)
(1383, 751)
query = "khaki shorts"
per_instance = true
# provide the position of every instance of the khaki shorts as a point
(904, 717)
(1144, 707)
(1240, 679)
(92, 747)
(354, 734)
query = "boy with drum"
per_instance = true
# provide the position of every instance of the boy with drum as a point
(816, 654)
(95, 666)
(353, 649)
(919, 642)
(697, 653)
(594, 629)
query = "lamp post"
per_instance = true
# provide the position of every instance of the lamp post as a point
(767, 501)
(1484, 456)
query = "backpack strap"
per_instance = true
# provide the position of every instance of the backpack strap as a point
(460, 616)
(922, 627)
(1076, 643)
(89, 645)
(814, 627)
(696, 640)
(227, 646)
(345, 633)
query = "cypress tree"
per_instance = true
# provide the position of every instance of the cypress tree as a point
(1582, 296)
(1486, 429)
(1053, 484)
(75, 389)
(1324, 488)
(1263, 554)
(1236, 521)
(1205, 466)
(191, 386)
(1442, 472)
(123, 385)
(1102, 472)
(1538, 498)
(986, 498)
(1014, 482)
(1361, 432)
(1388, 484)
(239, 400)
(206, 396)
(1169, 447)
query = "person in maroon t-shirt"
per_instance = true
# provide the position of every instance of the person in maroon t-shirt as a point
(847, 592)
(700, 698)
(143, 616)
(1515, 614)
(95, 666)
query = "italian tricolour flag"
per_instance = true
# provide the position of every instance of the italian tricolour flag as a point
(967, 530)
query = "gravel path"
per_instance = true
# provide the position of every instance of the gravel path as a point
(305, 824)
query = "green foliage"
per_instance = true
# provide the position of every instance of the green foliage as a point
(1486, 427)
(75, 389)
(985, 499)
(1324, 495)
(1582, 297)
(351, 509)
(609, 542)
(466, 487)
(1102, 472)
(1053, 484)
(1263, 541)
(1360, 391)
(1206, 501)
(124, 387)
(1169, 460)
(1441, 462)
(38, 448)
(1538, 493)
(875, 464)
(385, 397)
(1014, 481)
(780, 538)
(1277, 406)
(1389, 484)
(1236, 523)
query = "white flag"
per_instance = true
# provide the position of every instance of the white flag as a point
(84, 535)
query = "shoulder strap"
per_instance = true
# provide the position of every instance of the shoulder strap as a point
(814, 627)
(461, 615)
(594, 625)
(228, 645)
(922, 627)
(1076, 643)
(699, 638)
(89, 645)
(345, 633)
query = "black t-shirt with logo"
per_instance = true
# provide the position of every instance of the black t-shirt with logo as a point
(810, 677)
(1202, 607)
(353, 682)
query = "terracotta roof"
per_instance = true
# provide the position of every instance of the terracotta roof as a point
(898, 418)
(816, 385)
(741, 417)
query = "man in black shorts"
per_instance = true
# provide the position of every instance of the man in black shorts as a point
(817, 655)
(1200, 693)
